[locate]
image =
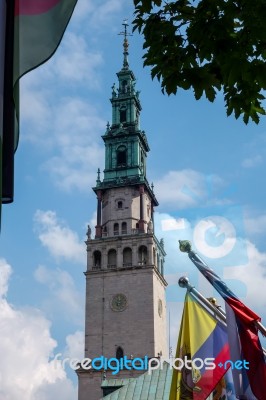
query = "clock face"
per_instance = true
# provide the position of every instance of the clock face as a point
(160, 307)
(119, 302)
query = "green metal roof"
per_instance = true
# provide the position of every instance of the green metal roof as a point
(154, 386)
(116, 382)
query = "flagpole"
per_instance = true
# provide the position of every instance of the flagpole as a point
(185, 246)
(184, 283)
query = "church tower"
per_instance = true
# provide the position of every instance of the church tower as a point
(125, 285)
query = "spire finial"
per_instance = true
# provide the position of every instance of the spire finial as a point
(125, 44)
(98, 180)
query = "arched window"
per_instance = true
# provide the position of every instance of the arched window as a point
(158, 261)
(124, 86)
(97, 259)
(121, 156)
(124, 228)
(127, 257)
(120, 204)
(105, 231)
(119, 353)
(154, 256)
(143, 255)
(162, 269)
(111, 258)
(116, 229)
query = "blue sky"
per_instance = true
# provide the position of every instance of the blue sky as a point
(208, 172)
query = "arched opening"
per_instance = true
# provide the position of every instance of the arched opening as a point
(154, 256)
(124, 228)
(105, 231)
(158, 261)
(124, 86)
(143, 255)
(116, 229)
(127, 257)
(119, 353)
(97, 259)
(111, 258)
(120, 204)
(162, 269)
(121, 156)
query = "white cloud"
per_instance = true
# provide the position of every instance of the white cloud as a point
(186, 188)
(75, 345)
(99, 15)
(64, 298)
(77, 129)
(255, 224)
(253, 276)
(252, 162)
(58, 238)
(26, 346)
(75, 63)
(6, 271)
(66, 129)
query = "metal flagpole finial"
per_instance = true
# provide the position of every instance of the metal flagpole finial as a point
(125, 43)
(185, 246)
(183, 282)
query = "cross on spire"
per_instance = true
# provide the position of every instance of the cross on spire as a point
(125, 43)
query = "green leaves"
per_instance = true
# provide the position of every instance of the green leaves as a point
(208, 46)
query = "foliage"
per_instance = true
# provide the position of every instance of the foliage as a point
(209, 46)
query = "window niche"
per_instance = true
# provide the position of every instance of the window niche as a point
(119, 353)
(127, 257)
(124, 228)
(123, 114)
(143, 255)
(116, 229)
(97, 259)
(111, 258)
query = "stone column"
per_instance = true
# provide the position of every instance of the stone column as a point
(141, 220)
(152, 216)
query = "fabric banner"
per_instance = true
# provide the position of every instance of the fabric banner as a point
(201, 336)
(38, 30)
(251, 349)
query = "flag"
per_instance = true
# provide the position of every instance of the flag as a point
(34, 29)
(201, 336)
(38, 29)
(240, 377)
(251, 349)
(225, 389)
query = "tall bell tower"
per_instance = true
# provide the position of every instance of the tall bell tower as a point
(125, 285)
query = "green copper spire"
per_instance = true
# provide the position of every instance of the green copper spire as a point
(126, 145)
